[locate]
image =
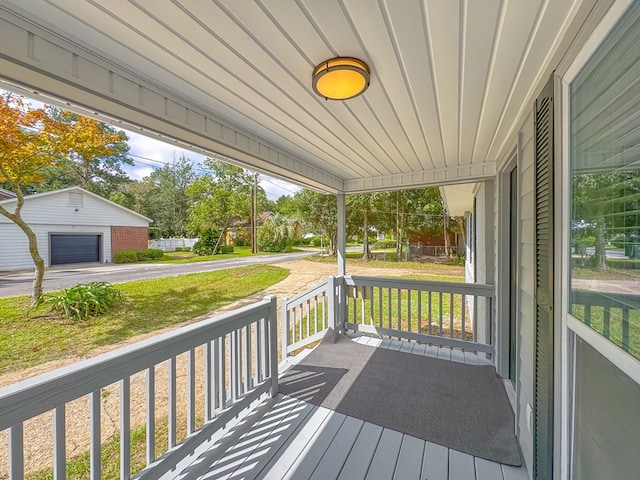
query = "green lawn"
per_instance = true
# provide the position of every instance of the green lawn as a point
(190, 257)
(27, 340)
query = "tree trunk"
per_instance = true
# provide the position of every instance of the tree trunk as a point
(463, 230)
(38, 262)
(600, 255)
(447, 244)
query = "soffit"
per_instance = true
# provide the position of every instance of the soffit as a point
(449, 79)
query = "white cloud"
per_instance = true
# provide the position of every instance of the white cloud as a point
(149, 153)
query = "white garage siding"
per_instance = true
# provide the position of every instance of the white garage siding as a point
(72, 210)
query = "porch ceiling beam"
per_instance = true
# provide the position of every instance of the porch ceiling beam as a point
(435, 177)
(50, 67)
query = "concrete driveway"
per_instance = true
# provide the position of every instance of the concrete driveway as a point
(19, 283)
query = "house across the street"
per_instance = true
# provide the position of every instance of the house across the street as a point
(73, 225)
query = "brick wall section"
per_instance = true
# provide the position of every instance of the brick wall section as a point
(129, 238)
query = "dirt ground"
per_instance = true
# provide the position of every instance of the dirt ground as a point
(38, 437)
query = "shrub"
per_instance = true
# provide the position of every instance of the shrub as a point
(183, 249)
(149, 254)
(384, 244)
(206, 244)
(126, 256)
(226, 249)
(82, 301)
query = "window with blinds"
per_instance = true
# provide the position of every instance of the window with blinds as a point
(605, 187)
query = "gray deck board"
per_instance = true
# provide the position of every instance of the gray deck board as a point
(435, 464)
(357, 464)
(384, 460)
(487, 470)
(461, 466)
(292, 439)
(335, 456)
(409, 464)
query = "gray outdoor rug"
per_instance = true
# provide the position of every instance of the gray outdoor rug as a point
(464, 407)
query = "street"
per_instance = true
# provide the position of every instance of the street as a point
(19, 283)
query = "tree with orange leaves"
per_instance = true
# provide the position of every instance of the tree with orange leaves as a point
(32, 139)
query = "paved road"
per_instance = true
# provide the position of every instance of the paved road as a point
(19, 283)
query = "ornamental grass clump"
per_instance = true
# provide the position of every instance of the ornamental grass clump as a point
(82, 301)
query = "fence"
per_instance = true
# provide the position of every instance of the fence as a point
(170, 244)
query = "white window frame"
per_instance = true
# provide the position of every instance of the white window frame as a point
(571, 327)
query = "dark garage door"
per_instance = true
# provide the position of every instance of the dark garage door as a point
(74, 249)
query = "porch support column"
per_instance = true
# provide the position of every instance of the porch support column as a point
(342, 238)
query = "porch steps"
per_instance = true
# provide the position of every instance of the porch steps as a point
(289, 439)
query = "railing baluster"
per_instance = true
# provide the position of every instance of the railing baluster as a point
(399, 309)
(248, 385)
(429, 319)
(16, 452)
(587, 314)
(191, 391)
(463, 334)
(125, 428)
(440, 314)
(234, 354)
(171, 394)
(420, 311)
(409, 318)
(59, 444)
(257, 351)
(151, 415)
(451, 305)
(625, 328)
(308, 318)
(474, 319)
(380, 313)
(95, 449)
(606, 322)
(390, 311)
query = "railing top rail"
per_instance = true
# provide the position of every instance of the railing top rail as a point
(477, 289)
(31, 397)
(306, 295)
(605, 299)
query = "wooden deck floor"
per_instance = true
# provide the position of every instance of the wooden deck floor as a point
(291, 439)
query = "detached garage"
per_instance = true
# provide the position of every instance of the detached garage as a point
(72, 226)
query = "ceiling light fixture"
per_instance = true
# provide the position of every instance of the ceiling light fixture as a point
(341, 78)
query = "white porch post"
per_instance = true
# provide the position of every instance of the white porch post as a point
(342, 238)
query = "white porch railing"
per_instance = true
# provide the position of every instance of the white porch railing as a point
(448, 314)
(239, 367)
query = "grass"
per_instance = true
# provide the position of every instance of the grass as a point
(149, 305)
(355, 258)
(190, 257)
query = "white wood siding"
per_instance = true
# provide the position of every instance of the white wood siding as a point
(526, 281)
(55, 209)
(52, 213)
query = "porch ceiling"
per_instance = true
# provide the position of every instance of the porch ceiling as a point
(449, 79)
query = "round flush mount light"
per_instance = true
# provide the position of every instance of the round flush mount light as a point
(341, 78)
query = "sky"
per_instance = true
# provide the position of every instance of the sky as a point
(149, 153)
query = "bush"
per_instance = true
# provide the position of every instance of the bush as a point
(384, 244)
(183, 249)
(126, 256)
(82, 301)
(149, 254)
(206, 244)
(226, 249)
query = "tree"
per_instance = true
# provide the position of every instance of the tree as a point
(167, 201)
(320, 213)
(102, 173)
(220, 194)
(275, 234)
(31, 139)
